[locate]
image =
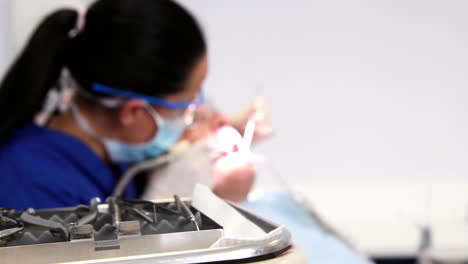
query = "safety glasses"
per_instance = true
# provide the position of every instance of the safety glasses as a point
(184, 110)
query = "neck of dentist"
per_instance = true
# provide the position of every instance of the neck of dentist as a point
(109, 123)
(67, 123)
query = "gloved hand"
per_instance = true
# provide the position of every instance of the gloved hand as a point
(234, 177)
(233, 169)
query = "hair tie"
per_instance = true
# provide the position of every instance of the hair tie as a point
(80, 21)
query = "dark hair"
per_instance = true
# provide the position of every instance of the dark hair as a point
(145, 46)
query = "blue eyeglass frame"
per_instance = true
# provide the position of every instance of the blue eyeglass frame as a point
(150, 99)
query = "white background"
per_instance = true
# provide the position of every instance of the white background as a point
(6, 36)
(360, 90)
(364, 91)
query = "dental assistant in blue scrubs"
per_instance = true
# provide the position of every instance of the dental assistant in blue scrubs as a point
(138, 66)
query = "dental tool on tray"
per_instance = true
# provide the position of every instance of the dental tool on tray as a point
(185, 210)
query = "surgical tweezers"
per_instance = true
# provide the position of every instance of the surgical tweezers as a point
(9, 227)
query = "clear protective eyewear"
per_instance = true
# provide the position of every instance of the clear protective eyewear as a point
(182, 109)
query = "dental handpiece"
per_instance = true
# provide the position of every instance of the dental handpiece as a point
(114, 210)
(185, 210)
(249, 132)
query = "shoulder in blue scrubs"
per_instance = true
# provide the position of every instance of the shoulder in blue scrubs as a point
(44, 168)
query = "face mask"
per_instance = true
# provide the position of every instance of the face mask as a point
(169, 132)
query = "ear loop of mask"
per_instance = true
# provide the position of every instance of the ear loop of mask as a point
(158, 120)
(84, 124)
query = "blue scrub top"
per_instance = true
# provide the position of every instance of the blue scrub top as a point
(44, 168)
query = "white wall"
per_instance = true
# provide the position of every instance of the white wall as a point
(359, 90)
(27, 15)
(6, 37)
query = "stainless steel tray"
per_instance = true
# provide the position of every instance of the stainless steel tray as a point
(181, 247)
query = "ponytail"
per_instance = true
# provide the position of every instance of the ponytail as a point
(35, 71)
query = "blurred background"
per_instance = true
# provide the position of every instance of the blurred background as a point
(369, 104)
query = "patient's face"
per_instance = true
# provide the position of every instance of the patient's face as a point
(206, 123)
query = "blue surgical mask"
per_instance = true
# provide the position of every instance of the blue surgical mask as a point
(168, 133)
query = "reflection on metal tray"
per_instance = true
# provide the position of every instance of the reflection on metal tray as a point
(130, 232)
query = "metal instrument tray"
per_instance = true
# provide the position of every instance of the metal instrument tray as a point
(180, 246)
